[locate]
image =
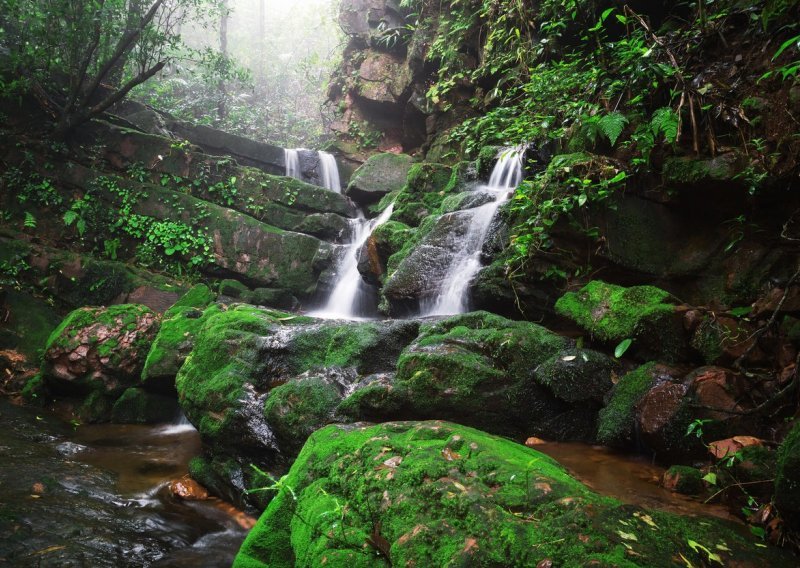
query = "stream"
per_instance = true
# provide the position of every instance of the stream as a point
(98, 495)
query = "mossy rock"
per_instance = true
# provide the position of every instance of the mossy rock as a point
(99, 349)
(213, 382)
(681, 171)
(644, 314)
(232, 288)
(684, 479)
(577, 375)
(477, 369)
(617, 420)
(137, 406)
(787, 477)
(379, 175)
(448, 495)
(175, 338)
(298, 408)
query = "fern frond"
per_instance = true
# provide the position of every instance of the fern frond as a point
(612, 125)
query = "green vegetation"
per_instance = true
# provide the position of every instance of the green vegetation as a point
(617, 418)
(435, 494)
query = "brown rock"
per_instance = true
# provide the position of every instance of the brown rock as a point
(729, 446)
(188, 489)
(717, 390)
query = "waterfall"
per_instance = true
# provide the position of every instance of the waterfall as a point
(292, 160)
(351, 295)
(452, 297)
(329, 172)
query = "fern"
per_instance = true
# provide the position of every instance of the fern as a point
(30, 221)
(665, 121)
(612, 125)
(70, 217)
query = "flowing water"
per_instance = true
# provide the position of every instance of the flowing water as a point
(453, 294)
(329, 172)
(98, 496)
(292, 160)
(352, 298)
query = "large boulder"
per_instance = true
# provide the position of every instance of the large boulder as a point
(258, 382)
(380, 175)
(646, 315)
(99, 349)
(511, 378)
(440, 494)
(94, 356)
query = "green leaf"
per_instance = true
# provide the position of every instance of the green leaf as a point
(606, 14)
(710, 478)
(70, 217)
(582, 200)
(611, 125)
(785, 45)
(741, 311)
(30, 221)
(623, 346)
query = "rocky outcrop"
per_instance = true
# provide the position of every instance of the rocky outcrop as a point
(447, 494)
(380, 175)
(95, 355)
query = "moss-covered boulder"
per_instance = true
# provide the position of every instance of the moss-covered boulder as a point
(380, 175)
(617, 420)
(683, 479)
(481, 369)
(99, 349)
(27, 323)
(644, 314)
(787, 478)
(175, 337)
(221, 384)
(439, 494)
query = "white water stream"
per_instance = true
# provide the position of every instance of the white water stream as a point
(329, 172)
(351, 295)
(292, 160)
(453, 295)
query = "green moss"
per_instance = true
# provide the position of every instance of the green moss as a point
(469, 367)
(687, 480)
(612, 313)
(34, 390)
(294, 410)
(224, 357)
(232, 288)
(577, 375)
(787, 477)
(96, 407)
(616, 424)
(440, 494)
(198, 296)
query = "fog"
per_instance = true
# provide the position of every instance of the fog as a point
(284, 53)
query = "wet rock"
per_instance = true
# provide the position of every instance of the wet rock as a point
(477, 369)
(663, 418)
(99, 349)
(422, 476)
(578, 375)
(643, 314)
(188, 489)
(379, 176)
(722, 449)
(683, 479)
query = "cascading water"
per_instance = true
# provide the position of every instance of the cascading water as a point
(329, 172)
(292, 160)
(351, 296)
(452, 297)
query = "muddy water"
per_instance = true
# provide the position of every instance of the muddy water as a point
(97, 496)
(631, 479)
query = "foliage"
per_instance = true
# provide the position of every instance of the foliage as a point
(105, 48)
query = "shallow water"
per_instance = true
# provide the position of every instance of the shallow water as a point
(629, 478)
(98, 496)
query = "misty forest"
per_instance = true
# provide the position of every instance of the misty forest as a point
(420, 283)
